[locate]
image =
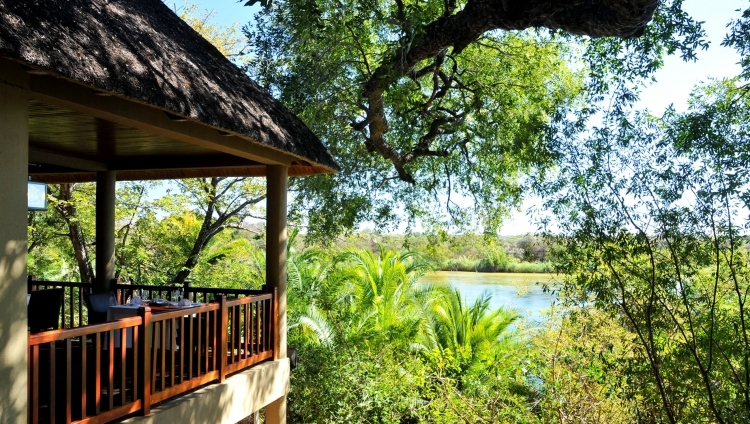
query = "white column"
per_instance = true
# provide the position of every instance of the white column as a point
(105, 230)
(14, 151)
(276, 241)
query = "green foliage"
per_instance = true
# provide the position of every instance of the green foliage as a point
(381, 348)
(654, 212)
(442, 136)
(579, 366)
(357, 385)
(510, 85)
(472, 338)
(369, 298)
(460, 252)
(227, 39)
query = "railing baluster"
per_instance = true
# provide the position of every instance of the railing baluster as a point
(123, 365)
(144, 389)
(198, 343)
(162, 351)
(190, 348)
(245, 311)
(182, 350)
(172, 348)
(230, 325)
(258, 334)
(35, 383)
(68, 381)
(84, 391)
(222, 337)
(136, 350)
(98, 373)
(111, 370)
(250, 327)
(213, 338)
(203, 322)
(52, 384)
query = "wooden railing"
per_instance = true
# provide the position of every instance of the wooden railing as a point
(78, 374)
(250, 325)
(74, 313)
(99, 373)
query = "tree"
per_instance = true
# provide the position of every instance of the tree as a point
(439, 103)
(67, 199)
(228, 39)
(652, 213)
(220, 203)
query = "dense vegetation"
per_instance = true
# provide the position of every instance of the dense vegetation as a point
(374, 346)
(460, 252)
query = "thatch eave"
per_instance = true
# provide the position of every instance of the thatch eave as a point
(141, 51)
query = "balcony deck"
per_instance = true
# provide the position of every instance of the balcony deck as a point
(104, 372)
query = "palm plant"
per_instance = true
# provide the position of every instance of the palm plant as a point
(370, 298)
(474, 335)
(384, 298)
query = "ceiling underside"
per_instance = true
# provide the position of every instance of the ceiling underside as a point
(68, 146)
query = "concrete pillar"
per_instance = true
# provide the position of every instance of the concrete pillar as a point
(276, 411)
(105, 230)
(14, 152)
(276, 241)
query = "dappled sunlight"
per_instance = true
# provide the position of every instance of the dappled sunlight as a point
(13, 377)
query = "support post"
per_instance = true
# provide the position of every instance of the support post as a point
(276, 244)
(14, 151)
(105, 230)
(276, 241)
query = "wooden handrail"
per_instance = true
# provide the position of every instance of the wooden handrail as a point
(249, 299)
(178, 312)
(71, 333)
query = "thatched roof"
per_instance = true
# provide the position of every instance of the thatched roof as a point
(141, 51)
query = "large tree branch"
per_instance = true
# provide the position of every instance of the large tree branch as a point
(596, 18)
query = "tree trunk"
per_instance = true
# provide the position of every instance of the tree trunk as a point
(207, 231)
(75, 233)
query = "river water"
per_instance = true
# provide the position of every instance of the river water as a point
(521, 292)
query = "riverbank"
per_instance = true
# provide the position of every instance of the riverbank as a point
(476, 265)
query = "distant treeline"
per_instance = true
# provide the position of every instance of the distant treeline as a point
(461, 252)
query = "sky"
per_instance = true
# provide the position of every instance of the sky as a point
(673, 85)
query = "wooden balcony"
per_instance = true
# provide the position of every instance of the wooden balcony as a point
(102, 372)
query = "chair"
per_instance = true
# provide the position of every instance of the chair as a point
(98, 304)
(44, 309)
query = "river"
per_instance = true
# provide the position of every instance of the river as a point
(522, 292)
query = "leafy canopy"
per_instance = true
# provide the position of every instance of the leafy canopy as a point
(435, 109)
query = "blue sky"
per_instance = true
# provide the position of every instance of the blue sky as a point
(673, 85)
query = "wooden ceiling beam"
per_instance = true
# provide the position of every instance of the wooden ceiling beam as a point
(50, 158)
(170, 174)
(159, 174)
(153, 163)
(58, 91)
